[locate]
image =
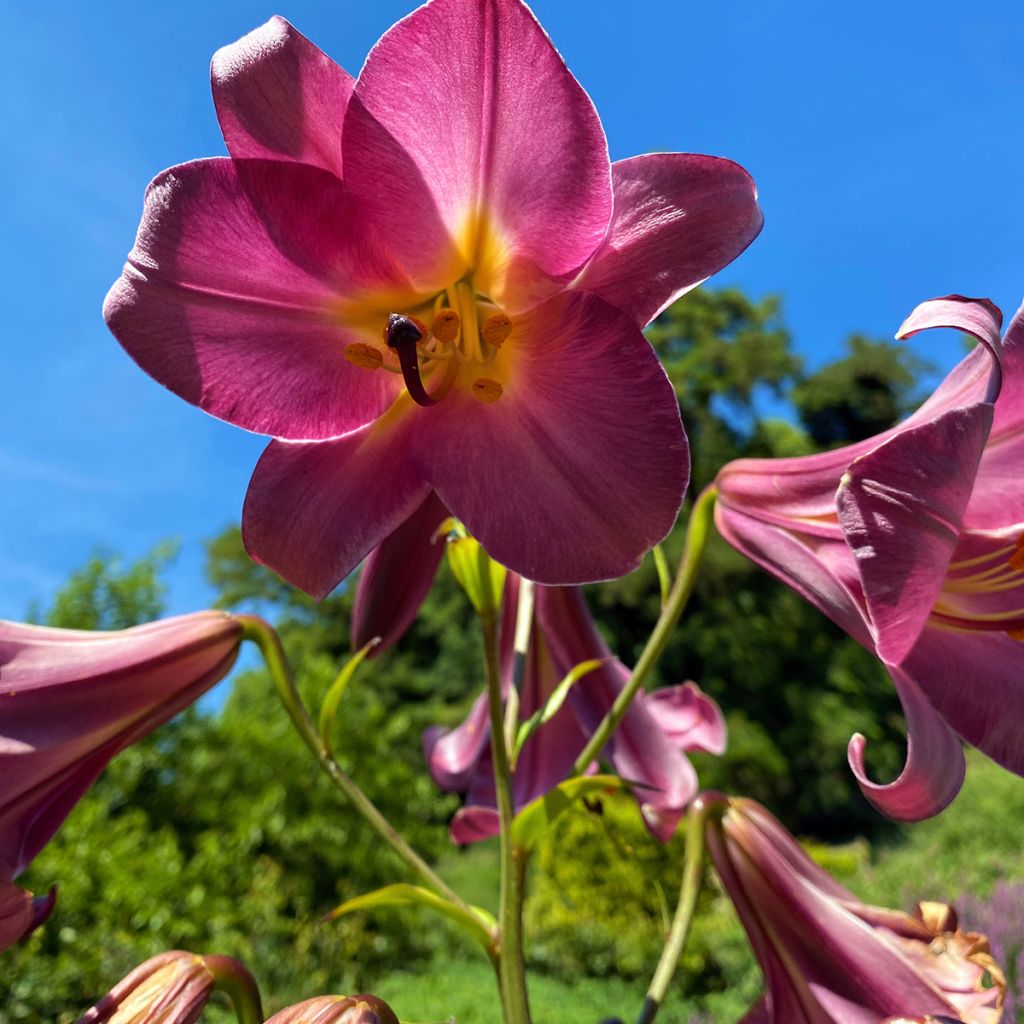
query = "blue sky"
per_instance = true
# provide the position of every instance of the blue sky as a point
(886, 146)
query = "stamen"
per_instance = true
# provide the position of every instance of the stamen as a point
(496, 329)
(403, 334)
(487, 390)
(1016, 560)
(364, 356)
(1016, 634)
(445, 326)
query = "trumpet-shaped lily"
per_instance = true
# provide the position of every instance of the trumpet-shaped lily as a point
(828, 958)
(430, 279)
(70, 700)
(172, 988)
(912, 542)
(21, 913)
(647, 748)
(361, 1009)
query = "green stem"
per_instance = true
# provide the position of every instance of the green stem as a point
(265, 637)
(231, 978)
(692, 874)
(511, 962)
(693, 548)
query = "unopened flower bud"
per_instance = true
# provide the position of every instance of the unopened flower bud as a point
(358, 1009)
(171, 988)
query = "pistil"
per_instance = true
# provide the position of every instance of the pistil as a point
(403, 334)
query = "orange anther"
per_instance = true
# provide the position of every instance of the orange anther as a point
(1016, 634)
(365, 356)
(445, 326)
(487, 390)
(496, 329)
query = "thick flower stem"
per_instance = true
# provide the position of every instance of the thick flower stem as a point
(693, 548)
(693, 872)
(231, 978)
(511, 962)
(265, 637)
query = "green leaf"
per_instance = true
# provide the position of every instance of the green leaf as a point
(664, 573)
(477, 923)
(478, 574)
(554, 703)
(532, 821)
(329, 708)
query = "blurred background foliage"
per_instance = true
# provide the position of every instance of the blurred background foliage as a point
(217, 834)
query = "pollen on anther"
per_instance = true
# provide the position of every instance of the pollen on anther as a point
(496, 329)
(487, 390)
(365, 356)
(1016, 634)
(445, 326)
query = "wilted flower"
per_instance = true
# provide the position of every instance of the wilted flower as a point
(825, 956)
(70, 700)
(912, 542)
(647, 748)
(360, 1009)
(171, 988)
(451, 216)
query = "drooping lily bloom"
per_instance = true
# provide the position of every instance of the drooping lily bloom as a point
(826, 957)
(70, 700)
(647, 748)
(912, 542)
(172, 988)
(430, 279)
(361, 1009)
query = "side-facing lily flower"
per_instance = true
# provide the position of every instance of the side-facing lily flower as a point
(21, 913)
(912, 542)
(430, 279)
(173, 988)
(70, 700)
(361, 1009)
(826, 957)
(647, 748)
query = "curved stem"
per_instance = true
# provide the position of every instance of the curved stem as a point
(693, 548)
(693, 872)
(231, 978)
(266, 638)
(511, 963)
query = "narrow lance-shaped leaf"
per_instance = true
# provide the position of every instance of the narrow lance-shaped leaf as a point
(533, 820)
(664, 573)
(477, 923)
(554, 703)
(329, 709)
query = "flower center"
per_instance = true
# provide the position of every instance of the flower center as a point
(466, 329)
(985, 593)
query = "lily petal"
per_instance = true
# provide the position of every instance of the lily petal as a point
(228, 297)
(678, 219)
(998, 497)
(467, 135)
(452, 755)
(976, 682)
(639, 751)
(901, 507)
(278, 96)
(586, 432)
(689, 717)
(397, 577)
(315, 510)
(981, 318)
(935, 766)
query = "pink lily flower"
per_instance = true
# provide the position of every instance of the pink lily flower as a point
(172, 988)
(430, 279)
(361, 1009)
(826, 957)
(911, 541)
(69, 701)
(647, 748)
(21, 913)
